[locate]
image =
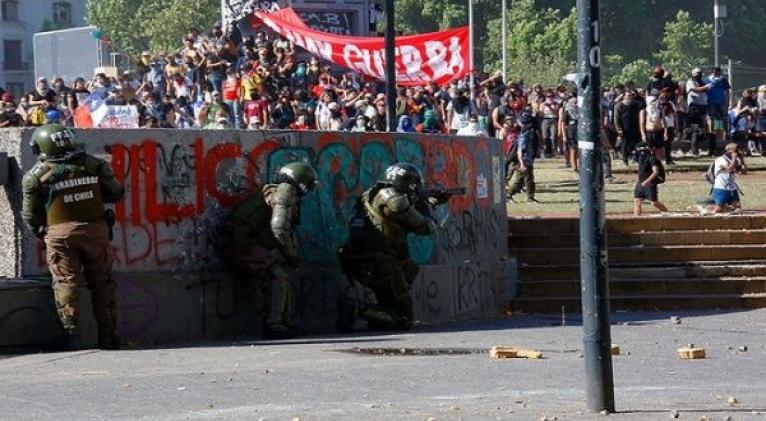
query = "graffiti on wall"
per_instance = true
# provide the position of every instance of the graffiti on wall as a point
(176, 192)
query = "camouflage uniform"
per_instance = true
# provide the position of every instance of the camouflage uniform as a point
(377, 255)
(64, 202)
(259, 243)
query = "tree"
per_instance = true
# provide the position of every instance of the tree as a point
(686, 44)
(137, 25)
(167, 27)
(541, 43)
(637, 71)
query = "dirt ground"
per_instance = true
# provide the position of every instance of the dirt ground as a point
(558, 190)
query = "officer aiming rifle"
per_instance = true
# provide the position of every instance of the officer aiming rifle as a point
(376, 254)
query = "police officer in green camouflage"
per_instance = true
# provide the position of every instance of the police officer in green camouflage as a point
(258, 242)
(376, 255)
(64, 197)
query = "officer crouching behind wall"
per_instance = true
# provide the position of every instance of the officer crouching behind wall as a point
(376, 255)
(258, 242)
(64, 197)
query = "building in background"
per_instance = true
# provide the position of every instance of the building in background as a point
(339, 17)
(19, 21)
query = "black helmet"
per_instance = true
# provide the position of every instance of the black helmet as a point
(404, 177)
(54, 142)
(298, 174)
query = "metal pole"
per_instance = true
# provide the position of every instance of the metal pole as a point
(470, 47)
(593, 251)
(716, 20)
(505, 41)
(390, 68)
(729, 74)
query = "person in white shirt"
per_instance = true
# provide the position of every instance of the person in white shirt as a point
(472, 129)
(725, 189)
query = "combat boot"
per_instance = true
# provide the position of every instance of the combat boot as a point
(68, 342)
(108, 342)
(280, 331)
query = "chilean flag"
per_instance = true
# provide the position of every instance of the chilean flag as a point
(91, 113)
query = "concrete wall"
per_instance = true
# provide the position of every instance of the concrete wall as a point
(180, 183)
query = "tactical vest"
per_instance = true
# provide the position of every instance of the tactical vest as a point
(73, 193)
(388, 235)
(249, 222)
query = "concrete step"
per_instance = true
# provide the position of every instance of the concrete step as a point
(571, 304)
(640, 254)
(633, 287)
(625, 224)
(676, 270)
(652, 238)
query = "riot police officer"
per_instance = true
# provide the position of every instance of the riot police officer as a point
(258, 242)
(376, 255)
(64, 197)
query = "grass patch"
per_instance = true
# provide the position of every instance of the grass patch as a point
(558, 188)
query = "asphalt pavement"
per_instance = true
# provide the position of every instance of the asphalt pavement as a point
(433, 372)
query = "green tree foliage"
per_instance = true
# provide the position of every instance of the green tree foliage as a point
(686, 44)
(636, 71)
(541, 43)
(136, 25)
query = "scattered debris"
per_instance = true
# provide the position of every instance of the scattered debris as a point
(510, 352)
(615, 350)
(691, 353)
(732, 400)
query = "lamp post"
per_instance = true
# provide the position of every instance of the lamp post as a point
(594, 266)
(504, 23)
(390, 67)
(719, 12)
(470, 48)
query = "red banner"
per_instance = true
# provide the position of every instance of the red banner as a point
(420, 59)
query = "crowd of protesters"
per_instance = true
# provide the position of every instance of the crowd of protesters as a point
(263, 82)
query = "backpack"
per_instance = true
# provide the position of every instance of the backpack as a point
(712, 171)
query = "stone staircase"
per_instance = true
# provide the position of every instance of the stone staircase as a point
(656, 263)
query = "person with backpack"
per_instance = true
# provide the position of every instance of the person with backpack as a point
(521, 159)
(721, 174)
(651, 174)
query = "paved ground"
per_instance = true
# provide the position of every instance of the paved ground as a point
(308, 379)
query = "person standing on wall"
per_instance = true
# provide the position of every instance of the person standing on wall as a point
(63, 204)
(258, 242)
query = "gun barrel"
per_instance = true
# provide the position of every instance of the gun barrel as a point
(457, 191)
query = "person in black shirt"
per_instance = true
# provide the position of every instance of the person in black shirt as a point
(650, 175)
(627, 123)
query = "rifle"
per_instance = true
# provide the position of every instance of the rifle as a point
(443, 195)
